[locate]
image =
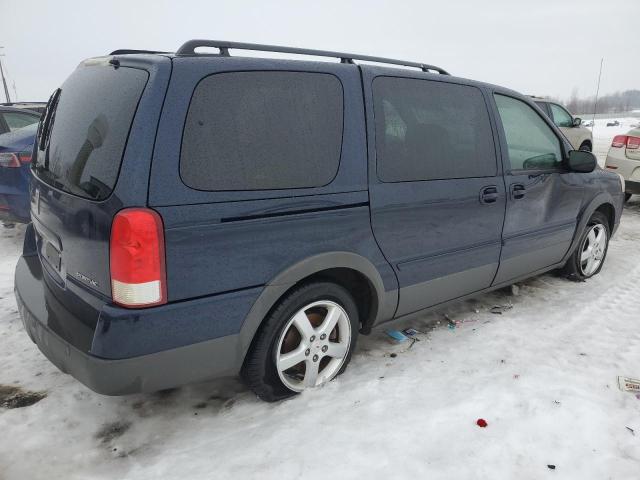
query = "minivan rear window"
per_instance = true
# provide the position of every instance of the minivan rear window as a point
(88, 129)
(263, 131)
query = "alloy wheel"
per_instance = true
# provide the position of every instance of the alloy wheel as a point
(313, 345)
(594, 247)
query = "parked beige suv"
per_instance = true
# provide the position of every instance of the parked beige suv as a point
(580, 137)
(624, 159)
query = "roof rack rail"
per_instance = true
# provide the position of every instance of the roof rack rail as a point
(127, 51)
(189, 48)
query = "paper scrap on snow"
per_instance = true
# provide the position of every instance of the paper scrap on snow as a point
(397, 335)
(627, 384)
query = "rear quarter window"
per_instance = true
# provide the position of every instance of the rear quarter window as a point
(263, 131)
(88, 130)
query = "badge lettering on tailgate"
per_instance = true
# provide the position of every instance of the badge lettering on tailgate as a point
(86, 279)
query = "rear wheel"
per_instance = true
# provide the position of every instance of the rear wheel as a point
(306, 341)
(586, 146)
(589, 257)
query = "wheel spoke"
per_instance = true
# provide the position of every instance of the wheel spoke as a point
(600, 237)
(586, 254)
(329, 322)
(589, 267)
(301, 322)
(336, 350)
(290, 359)
(311, 373)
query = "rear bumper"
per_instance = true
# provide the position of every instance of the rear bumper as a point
(14, 208)
(632, 187)
(170, 367)
(618, 162)
(9, 217)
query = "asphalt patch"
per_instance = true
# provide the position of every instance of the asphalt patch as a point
(16, 397)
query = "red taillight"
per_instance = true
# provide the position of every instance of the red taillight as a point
(9, 160)
(632, 143)
(138, 276)
(14, 160)
(619, 141)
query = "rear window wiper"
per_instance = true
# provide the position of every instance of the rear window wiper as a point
(44, 129)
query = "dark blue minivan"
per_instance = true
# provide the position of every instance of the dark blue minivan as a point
(197, 215)
(17, 133)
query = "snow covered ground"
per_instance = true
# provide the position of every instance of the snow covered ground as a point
(542, 374)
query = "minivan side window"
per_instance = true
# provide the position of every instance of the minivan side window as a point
(262, 131)
(560, 116)
(430, 130)
(532, 144)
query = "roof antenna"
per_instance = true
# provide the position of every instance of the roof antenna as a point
(4, 81)
(595, 105)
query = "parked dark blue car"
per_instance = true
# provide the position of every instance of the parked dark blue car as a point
(200, 215)
(15, 164)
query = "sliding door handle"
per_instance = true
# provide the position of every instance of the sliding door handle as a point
(489, 194)
(518, 191)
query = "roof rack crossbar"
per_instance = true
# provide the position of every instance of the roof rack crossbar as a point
(189, 48)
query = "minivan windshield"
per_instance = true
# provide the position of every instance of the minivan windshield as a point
(87, 129)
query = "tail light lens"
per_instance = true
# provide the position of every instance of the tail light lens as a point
(24, 157)
(632, 143)
(9, 160)
(619, 141)
(138, 275)
(14, 160)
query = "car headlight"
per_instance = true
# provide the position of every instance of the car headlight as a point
(622, 184)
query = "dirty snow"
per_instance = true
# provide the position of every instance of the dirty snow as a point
(542, 374)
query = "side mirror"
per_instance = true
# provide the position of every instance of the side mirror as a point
(577, 122)
(581, 161)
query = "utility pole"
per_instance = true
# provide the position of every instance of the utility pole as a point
(4, 81)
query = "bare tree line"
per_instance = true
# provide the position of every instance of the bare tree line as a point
(613, 103)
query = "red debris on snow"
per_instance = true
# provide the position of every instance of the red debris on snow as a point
(482, 423)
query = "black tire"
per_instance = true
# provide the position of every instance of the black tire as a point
(259, 370)
(627, 197)
(574, 268)
(585, 146)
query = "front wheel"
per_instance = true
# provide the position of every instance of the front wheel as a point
(589, 257)
(306, 341)
(586, 146)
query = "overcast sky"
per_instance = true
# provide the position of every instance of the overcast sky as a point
(542, 47)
